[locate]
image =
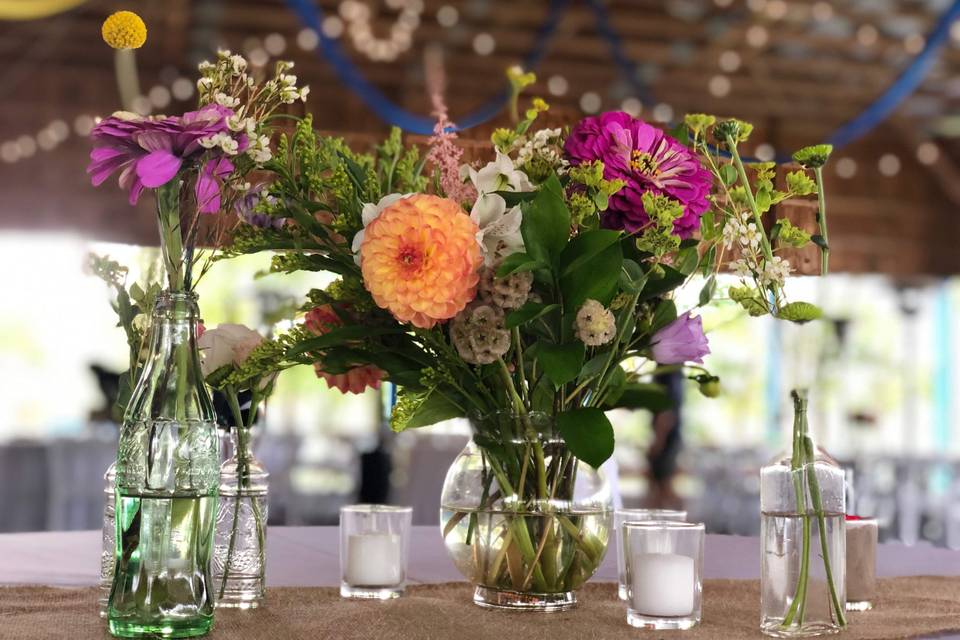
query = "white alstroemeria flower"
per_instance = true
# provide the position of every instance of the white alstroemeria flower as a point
(499, 233)
(227, 344)
(499, 228)
(499, 175)
(370, 213)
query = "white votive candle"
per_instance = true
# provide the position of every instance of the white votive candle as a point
(373, 560)
(664, 584)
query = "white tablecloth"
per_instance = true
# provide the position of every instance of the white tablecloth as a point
(309, 556)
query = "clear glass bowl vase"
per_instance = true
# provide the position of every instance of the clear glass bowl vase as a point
(524, 520)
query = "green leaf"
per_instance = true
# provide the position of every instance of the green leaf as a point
(546, 223)
(339, 336)
(616, 383)
(435, 408)
(601, 201)
(706, 293)
(687, 260)
(124, 392)
(584, 247)
(515, 262)
(632, 277)
(728, 174)
(670, 280)
(513, 198)
(596, 278)
(664, 314)
(588, 433)
(561, 362)
(541, 399)
(764, 199)
(706, 265)
(819, 241)
(528, 312)
(593, 367)
(643, 395)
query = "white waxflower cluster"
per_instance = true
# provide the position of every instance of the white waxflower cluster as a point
(223, 141)
(507, 293)
(225, 101)
(775, 271)
(259, 149)
(285, 85)
(479, 333)
(544, 148)
(741, 230)
(219, 80)
(595, 324)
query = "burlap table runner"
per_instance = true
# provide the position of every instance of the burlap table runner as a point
(909, 607)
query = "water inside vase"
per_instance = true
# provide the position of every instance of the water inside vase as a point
(162, 582)
(536, 552)
(782, 561)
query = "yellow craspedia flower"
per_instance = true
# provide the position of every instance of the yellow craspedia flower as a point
(421, 260)
(124, 30)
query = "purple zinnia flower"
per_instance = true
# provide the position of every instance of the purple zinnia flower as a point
(680, 341)
(151, 151)
(645, 158)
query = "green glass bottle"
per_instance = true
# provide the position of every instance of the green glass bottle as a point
(166, 488)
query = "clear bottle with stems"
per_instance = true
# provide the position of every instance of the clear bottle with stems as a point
(167, 478)
(803, 539)
(239, 565)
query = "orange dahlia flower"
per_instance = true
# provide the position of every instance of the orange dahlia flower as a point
(321, 320)
(420, 259)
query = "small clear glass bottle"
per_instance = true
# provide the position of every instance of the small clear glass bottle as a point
(109, 537)
(239, 553)
(803, 539)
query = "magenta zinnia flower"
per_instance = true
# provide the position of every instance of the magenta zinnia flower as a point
(680, 341)
(149, 152)
(645, 158)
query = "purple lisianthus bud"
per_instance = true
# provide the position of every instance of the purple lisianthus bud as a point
(680, 341)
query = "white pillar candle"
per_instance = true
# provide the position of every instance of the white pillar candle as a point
(663, 584)
(373, 560)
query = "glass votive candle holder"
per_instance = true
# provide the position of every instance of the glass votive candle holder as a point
(861, 571)
(374, 545)
(620, 516)
(664, 562)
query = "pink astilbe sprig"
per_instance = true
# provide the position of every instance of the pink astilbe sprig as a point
(444, 152)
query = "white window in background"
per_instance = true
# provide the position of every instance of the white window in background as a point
(56, 320)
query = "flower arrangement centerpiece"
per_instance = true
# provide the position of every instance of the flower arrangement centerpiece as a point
(530, 294)
(167, 469)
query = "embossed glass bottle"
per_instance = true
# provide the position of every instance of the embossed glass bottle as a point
(239, 556)
(108, 538)
(166, 491)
